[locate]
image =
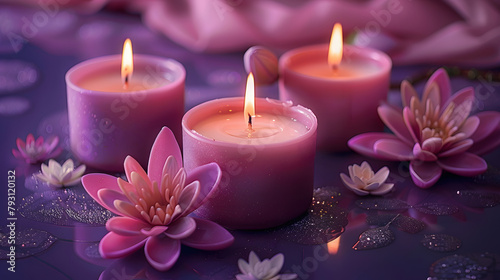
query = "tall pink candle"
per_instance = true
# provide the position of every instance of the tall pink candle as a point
(267, 174)
(109, 122)
(344, 99)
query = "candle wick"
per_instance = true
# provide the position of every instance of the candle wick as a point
(335, 68)
(250, 128)
(125, 82)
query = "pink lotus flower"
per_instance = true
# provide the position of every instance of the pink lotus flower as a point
(267, 269)
(153, 208)
(36, 151)
(61, 175)
(433, 133)
(363, 181)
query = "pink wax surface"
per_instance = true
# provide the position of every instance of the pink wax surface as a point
(267, 177)
(108, 122)
(345, 101)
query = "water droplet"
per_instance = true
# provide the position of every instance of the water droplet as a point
(479, 199)
(28, 242)
(441, 242)
(324, 221)
(62, 207)
(439, 209)
(409, 224)
(374, 238)
(457, 267)
(16, 75)
(10, 106)
(382, 204)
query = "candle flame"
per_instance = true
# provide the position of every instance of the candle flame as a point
(249, 109)
(333, 246)
(335, 50)
(127, 62)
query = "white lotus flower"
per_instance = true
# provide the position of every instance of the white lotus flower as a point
(364, 181)
(61, 176)
(263, 270)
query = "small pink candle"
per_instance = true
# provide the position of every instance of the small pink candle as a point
(267, 167)
(343, 90)
(113, 114)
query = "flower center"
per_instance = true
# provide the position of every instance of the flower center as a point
(435, 124)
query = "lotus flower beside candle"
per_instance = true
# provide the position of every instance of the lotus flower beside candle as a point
(434, 133)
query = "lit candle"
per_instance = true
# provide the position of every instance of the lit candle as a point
(113, 114)
(343, 85)
(265, 149)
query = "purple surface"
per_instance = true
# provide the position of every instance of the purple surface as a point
(40, 108)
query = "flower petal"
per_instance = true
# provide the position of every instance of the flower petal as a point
(470, 126)
(95, 182)
(393, 149)
(208, 236)
(423, 155)
(371, 187)
(253, 259)
(276, 263)
(188, 196)
(113, 245)
(244, 267)
(441, 78)
(425, 174)
(246, 277)
(108, 197)
(433, 144)
(162, 252)
(462, 104)
(30, 140)
(51, 143)
(21, 145)
(487, 145)
(181, 228)
(165, 145)
(457, 148)
(359, 191)
(154, 231)
(131, 165)
(125, 225)
(352, 186)
(383, 189)
(432, 94)
(347, 181)
(407, 92)
(209, 177)
(127, 209)
(465, 164)
(489, 121)
(363, 143)
(487, 136)
(411, 124)
(380, 176)
(393, 119)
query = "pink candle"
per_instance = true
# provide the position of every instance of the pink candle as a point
(344, 95)
(109, 121)
(268, 170)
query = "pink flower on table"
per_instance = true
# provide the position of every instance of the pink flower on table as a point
(267, 269)
(61, 175)
(434, 132)
(33, 151)
(153, 208)
(363, 181)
